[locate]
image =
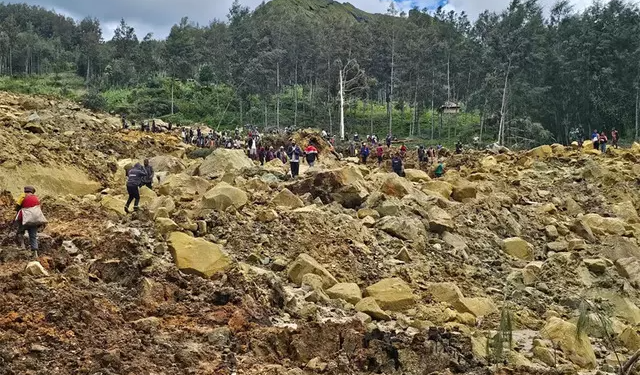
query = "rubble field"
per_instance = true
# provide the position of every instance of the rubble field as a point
(512, 263)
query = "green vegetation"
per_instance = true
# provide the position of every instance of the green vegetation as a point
(520, 76)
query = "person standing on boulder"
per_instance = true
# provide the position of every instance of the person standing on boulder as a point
(380, 154)
(396, 165)
(603, 142)
(148, 178)
(294, 159)
(614, 138)
(595, 138)
(135, 179)
(421, 154)
(389, 139)
(364, 153)
(29, 218)
(311, 154)
(403, 150)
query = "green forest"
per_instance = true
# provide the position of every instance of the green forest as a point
(522, 76)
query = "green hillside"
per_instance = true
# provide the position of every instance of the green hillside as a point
(326, 10)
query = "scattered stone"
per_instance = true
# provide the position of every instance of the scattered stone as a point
(305, 264)
(396, 186)
(392, 294)
(267, 216)
(464, 191)
(370, 307)
(626, 211)
(551, 231)
(165, 225)
(314, 282)
(630, 269)
(541, 152)
(597, 266)
(576, 348)
(443, 189)
(197, 256)
(456, 241)
(70, 248)
(416, 175)
(285, 198)
(476, 306)
(445, 292)
(518, 248)
(576, 244)
(317, 365)
(439, 220)
(35, 269)
(558, 246)
(349, 292)
(147, 324)
(403, 255)
(366, 212)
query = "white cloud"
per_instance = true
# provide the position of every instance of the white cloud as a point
(157, 16)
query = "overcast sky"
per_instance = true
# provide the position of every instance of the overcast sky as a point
(157, 16)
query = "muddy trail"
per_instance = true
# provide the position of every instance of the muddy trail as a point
(234, 268)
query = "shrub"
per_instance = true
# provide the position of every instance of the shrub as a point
(94, 101)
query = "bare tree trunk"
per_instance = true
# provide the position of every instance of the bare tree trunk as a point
(637, 109)
(415, 110)
(295, 98)
(433, 94)
(390, 98)
(278, 96)
(503, 109)
(341, 106)
(265, 113)
(171, 95)
(371, 114)
(448, 78)
(484, 110)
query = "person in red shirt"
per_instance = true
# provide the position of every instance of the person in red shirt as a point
(403, 151)
(380, 153)
(28, 200)
(311, 154)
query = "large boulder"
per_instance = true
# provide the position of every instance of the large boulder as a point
(182, 185)
(416, 175)
(224, 160)
(166, 225)
(477, 307)
(396, 186)
(604, 225)
(344, 185)
(445, 292)
(370, 307)
(167, 163)
(285, 198)
(305, 264)
(439, 220)
(626, 211)
(197, 256)
(441, 188)
(630, 269)
(576, 348)
(464, 190)
(404, 228)
(223, 196)
(113, 204)
(392, 294)
(349, 292)
(541, 152)
(518, 248)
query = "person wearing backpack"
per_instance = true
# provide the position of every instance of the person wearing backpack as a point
(29, 218)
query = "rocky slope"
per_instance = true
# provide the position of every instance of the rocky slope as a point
(233, 268)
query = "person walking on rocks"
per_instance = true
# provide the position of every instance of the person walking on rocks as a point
(380, 154)
(421, 154)
(364, 153)
(148, 178)
(396, 165)
(595, 138)
(614, 138)
(603, 142)
(29, 218)
(135, 179)
(294, 159)
(311, 154)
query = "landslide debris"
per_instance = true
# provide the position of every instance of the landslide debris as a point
(231, 267)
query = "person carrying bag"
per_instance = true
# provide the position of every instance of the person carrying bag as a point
(29, 218)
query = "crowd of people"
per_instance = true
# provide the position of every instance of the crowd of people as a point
(600, 140)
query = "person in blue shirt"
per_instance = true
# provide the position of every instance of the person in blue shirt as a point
(364, 153)
(595, 138)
